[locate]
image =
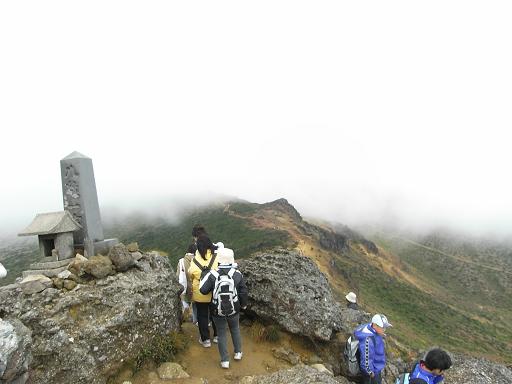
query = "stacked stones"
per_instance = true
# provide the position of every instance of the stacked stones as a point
(80, 269)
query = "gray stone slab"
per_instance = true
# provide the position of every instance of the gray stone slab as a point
(47, 272)
(51, 264)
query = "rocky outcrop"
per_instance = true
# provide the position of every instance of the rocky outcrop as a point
(84, 335)
(299, 374)
(471, 370)
(15, 356)
(288, 289)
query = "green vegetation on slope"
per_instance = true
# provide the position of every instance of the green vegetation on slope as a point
(234, 232)
(421, 320)
(18, 256)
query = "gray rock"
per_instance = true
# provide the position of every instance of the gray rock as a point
(133, 247)
(64, 274)
(99, 267)
(286, 355)
(169, 371)
(58, 282)
(321, 368)
(35, 283)
(288, 289)
(78, 264)
(109, 314)
(472, 370)
(121, 257)
(15, 356)
(69, 284)
(299, 374)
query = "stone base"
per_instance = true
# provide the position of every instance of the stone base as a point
(103, 247)
(51, 264)
(47, 272)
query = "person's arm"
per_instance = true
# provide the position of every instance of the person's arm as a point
(243, 293)
(438, 379)
(207, 283)
(366, 351)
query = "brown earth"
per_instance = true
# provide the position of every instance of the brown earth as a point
(200, 362)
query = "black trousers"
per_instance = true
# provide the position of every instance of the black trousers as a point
(203, 318)
(376, 380)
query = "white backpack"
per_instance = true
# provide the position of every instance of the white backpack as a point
(182, 276)
(224, 293)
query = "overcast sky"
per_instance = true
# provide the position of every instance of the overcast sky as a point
(353, 111)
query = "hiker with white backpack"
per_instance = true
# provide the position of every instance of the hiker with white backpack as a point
(229, 295)
(365, 351)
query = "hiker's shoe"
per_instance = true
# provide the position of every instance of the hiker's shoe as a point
(224, 364)
(238, 356)
(206, 343)
(216, 339)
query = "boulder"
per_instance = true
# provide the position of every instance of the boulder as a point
(472, 370)
(35, 283)
(99, 267)
(299, 374)
(69, 284)
(170, 371)
(78, 264)
(121, 257)
(286, 355)
(15, 356)
(288, 289)
(85, 335)
(133, 247)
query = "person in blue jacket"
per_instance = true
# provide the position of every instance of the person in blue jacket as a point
(432, 368)
(372, 351)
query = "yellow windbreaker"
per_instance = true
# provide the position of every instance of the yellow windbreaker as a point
(195, 276)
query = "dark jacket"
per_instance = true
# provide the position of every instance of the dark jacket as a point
(207, 284)
(352, 305)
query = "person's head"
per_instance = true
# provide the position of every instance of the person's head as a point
(351, 297)
(380, 323)
(203, 245)
(191, 248)
(437, 361)
(225, 256)
(198, 231)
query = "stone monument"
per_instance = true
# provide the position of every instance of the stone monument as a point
(81, 200)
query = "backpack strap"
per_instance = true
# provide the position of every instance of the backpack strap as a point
(212, 260)
(197, 263)
(215, 274)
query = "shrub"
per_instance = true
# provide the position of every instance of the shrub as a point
(162, 349)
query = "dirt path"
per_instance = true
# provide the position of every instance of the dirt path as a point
(200, 362)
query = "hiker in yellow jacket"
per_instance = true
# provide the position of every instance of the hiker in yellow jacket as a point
(204, 259)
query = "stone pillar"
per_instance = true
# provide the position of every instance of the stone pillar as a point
(81, 199)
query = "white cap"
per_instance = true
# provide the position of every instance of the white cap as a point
(381, 321)
(219, 245)
(225, 256)
(351, 296)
